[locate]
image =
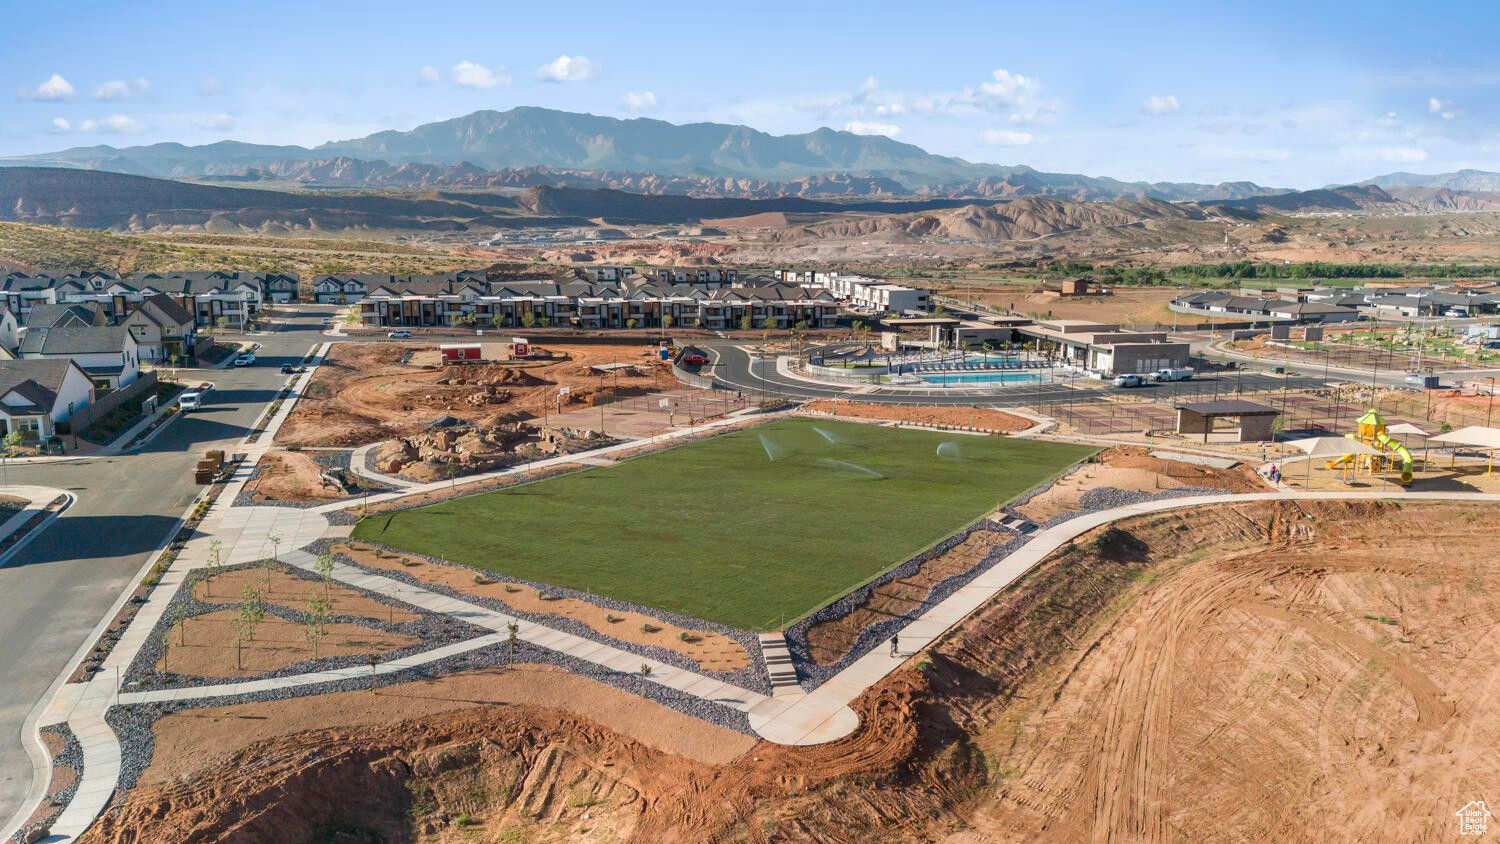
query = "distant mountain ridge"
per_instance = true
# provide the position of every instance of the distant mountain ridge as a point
(1368, 198)
(532, 138)
(1460, 180)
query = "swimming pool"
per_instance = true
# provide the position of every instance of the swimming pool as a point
(951, 378)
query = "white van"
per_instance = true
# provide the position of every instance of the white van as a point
(190, 400)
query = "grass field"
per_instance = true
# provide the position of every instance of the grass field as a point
(747, 529)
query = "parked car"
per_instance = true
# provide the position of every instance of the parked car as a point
(398, 334)
(1172, 375)
(694, 357)
(292, 368)
(1129, 381)
(247, 359)
(190, 400)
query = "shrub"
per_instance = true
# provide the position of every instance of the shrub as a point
(613, 619)
(648, 627)
(688, 637)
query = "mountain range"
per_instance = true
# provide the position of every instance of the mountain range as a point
(525, 145)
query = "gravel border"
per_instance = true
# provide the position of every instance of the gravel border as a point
(753, 677)
(430, 629)
(71, 758)
(811, 674)
(132, 723)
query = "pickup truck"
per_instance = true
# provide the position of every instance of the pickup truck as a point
(1172, 375)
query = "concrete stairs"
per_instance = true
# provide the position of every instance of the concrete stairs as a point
(1014, 524)
(779, 665)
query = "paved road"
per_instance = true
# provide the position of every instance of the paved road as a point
(733, 368)
(59, 586)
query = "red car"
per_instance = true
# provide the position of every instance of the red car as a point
(695, 358)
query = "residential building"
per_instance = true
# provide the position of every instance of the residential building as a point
(162, 328)
(109, 354)
(1104, 348)
(1266, 309)
(867, 294)
(35, 395)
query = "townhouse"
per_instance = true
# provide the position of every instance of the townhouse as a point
(216, 297)
(590, 304)
(863, 293)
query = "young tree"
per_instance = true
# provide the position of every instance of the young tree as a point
(528, 319)
(769, 324)
(315, 620)
(513, 629)
(645, 675)
(324, 567)
(632, 323)
(251, 613)
(215, 560)
(666, 322)
(179, 620)
(747, 323)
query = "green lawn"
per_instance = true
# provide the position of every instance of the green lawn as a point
(747, 528)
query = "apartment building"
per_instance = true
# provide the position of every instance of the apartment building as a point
(863, 293)
(209, 296)
(590, 304)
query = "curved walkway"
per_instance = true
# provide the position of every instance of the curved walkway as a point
(823, 714)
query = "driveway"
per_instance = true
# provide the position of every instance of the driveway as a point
(56, 589)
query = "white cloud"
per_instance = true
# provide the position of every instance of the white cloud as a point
(871, 127)
(1161, 104)
(1021, 97)
(429, 74)
(60, 125)
(115, 124)
(1389, 154)
(209, 85)
(1007, 138)
(568, 69)
(639, 100)
(54, 89)
(120, 89)
(216, 123)
(471, 75)
(1441, 108)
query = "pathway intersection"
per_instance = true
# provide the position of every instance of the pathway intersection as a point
(790, 716)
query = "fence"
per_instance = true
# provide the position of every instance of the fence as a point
(1316, 412)
(684, 403)
(137, 391)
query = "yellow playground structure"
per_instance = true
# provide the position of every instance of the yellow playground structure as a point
(1370, 430)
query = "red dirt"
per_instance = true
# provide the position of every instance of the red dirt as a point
(1221, 673)
(712, 651)
(830, 640)
(957, 417)
(363, 393)
(1133, 468)
(205, 647)
(291, 476)
(293, 592)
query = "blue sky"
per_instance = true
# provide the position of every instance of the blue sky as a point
(1295, 94)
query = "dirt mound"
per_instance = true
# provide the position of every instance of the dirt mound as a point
(1133, 468)
(291, 476)
(367, 392)
(1224, 672)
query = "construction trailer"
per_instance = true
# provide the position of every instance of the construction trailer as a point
(461, 352)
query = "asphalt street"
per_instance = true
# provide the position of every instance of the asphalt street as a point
(56, 589)
(735, 369)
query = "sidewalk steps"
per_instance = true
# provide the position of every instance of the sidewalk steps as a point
(779, 667)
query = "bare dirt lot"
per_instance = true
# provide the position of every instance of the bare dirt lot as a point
(204, 646)
(291, 476)
(292, 592)
(959, 417)
(1134, 469)
(1224, 673)
(366, 392)
(710, 650)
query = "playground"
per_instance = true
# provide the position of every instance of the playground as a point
(752, 528)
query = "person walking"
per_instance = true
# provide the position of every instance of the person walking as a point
(895, 644)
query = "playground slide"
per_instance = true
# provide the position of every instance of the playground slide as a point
(1384, 441)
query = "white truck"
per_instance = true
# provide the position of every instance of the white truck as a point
(1172, 375)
